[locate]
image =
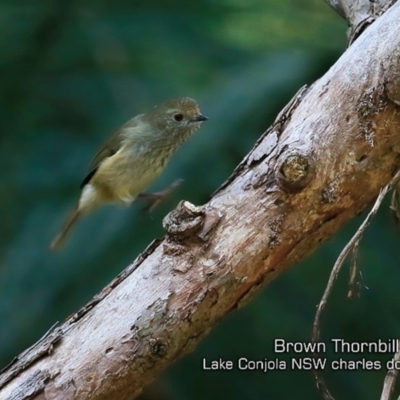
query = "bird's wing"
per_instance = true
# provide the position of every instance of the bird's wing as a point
(107, 150)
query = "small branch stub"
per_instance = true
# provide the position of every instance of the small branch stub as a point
(184, 221)
(188, 220)
(294, 170)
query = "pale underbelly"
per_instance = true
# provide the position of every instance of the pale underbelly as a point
(124, 180)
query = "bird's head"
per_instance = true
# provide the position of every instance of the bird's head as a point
(178, 117)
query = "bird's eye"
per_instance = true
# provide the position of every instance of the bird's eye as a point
(178, 117)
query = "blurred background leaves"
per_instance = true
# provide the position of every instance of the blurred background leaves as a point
(71, 72)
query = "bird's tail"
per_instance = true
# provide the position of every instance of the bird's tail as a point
(59, 240)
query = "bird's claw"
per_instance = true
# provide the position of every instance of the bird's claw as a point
(154, 199)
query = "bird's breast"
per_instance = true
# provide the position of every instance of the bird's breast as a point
(128, 172)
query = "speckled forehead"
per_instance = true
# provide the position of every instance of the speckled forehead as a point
(190, 105)
(186, 104)
(192, 109)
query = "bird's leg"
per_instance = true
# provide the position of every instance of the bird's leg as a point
(154, 199)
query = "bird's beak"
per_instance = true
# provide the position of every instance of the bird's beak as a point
(200, 118)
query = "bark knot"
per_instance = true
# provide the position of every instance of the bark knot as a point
(188, 220)
(184, 221)
(158, 348)
(294, 170)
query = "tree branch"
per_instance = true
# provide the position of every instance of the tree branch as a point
(323, 161)
(352, 246)
(359, 13)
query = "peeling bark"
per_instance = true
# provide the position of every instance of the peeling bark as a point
(359, 13)
(324, 160)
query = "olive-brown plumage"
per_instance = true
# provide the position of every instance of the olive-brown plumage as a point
(134, 157)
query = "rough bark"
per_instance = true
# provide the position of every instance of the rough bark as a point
(322, 162)
(359, 13)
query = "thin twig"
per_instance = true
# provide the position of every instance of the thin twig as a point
(390, 378)
(335, 272)
(353, 286)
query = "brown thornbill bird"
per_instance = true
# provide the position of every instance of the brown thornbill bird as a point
(133, 158)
